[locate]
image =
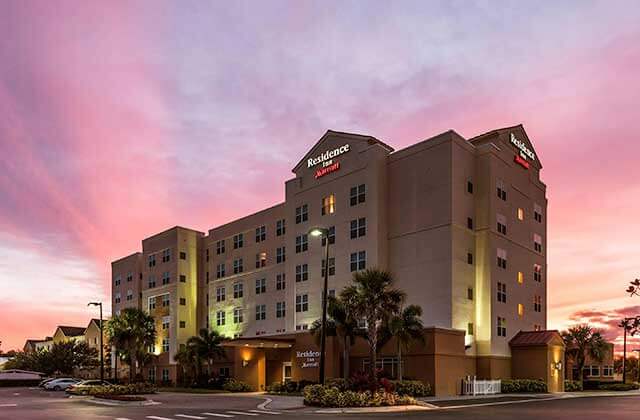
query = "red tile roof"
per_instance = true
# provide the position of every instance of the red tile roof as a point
(534, 338)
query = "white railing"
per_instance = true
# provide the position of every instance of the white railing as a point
(473, 386)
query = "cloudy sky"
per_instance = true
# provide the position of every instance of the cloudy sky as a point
(121, 118)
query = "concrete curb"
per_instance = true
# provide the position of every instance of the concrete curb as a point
(369, 410)
(263, 406)
(114, 403)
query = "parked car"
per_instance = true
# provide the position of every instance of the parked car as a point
(60, 384)
(82, 387)
(45, 381)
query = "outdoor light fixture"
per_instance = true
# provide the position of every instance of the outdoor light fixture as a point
(245, 363)
(324, 233)
(101, 345)
(556, 365)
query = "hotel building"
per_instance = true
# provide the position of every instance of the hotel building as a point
(459, 223)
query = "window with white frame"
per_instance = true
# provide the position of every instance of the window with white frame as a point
(118, 298)
(238, 240)
(220, 318)
(280, 309)
(165, 348)
(261, 286)
(280, 255)
(261, 312)
(221, 294)
(238, 266)
(118, 280)
(502, 223)
(220, 271)
(502, 292)
(238, 317)
(501, 327)
(358, 261)
(302, 303)
(129, 295)
(302, 273)
(261, 233)
(332, 266)
(537, 242)
(501, 190)
(261, 259)
(537, 213)
(165, 300)
(165, 372)
(537, 272)
(280, 227)
(166, 320)
(357, 195)
(358, 228)
(220, 248)
(166, 255)
(537, 303)
(152, 260)
(281, 283)
(328, 204)
(302, 213)
(166, 278)
(502, 258)
(152, 303)
(331, 234)
(238, 290)
(302, 243)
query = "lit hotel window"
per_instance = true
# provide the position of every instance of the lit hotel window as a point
(520, 310)
(261, 259)
(520, 277)
(520, 214)
(329, 205)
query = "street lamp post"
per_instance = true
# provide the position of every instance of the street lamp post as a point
(101, 344)
(323, 233)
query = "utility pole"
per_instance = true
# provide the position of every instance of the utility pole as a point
(101, 343)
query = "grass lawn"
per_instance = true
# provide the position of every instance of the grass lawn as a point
(192, 390)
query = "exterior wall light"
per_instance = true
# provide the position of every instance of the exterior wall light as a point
(245, 363)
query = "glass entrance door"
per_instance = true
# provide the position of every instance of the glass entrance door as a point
(286, 371)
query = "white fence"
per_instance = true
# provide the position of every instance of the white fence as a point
(473, 386)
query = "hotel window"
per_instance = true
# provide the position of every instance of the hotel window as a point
(129, 277)
(166, 278)
(280, 255)
(537, 303)
(118, 281)
(281, 284)
(152, 303)
(261, 312)
(129, 295)
(607, 370)
(152, 260)
(358, 261)
(470, 187)
(502, 292)
(502, 258)
(166, 255)
(331, 234)
(332, 267)
(537, 272)
(183, 324)
(302, 243)
(537, 327)
(358, 228)
(183, 278)
(470, 328)
(220, 318)
(329, 205)
(220, 247)
(537, 242)
(165, 349)
(502, 224)
(469, 258)
(238, 290)
(520, 310)
(166, 301)
(302, 303)
(165, 371)
(206, 253)
(183, 255)
(238, 266)
(469, 223)
(332, 293)
(118, 297)
(165, 322)
(520, 214)
(261, 234)
(220, 271)
(280, 227)
(537, 213)
(280, 309)
(470, 293)
(151, 283)
(207, 277)
(358, 194)
(261, 286)
(152, 371)
(502, 192)
(238, 240)
(183, 301)
(238, 317)
(302, 327)
(224, 372)
(261, 260)
(520, 277)
(302, 214)
(302, 273)
(221, 294)
(502, 327)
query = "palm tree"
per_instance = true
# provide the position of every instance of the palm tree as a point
(406, 326)
(582, 341)
(187, 358)
(373, 298)
(342, 323)
(132, 333)
(208, 346)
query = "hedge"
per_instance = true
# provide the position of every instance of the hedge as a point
(572, 386)
(512, 386)
(412, 388)
(330, 396)
(618, 387)
(111, 390)
(234, 385)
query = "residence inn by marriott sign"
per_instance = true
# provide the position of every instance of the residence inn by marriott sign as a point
(326, 159)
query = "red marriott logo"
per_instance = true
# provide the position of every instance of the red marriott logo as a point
(521, 161)
(327, 170)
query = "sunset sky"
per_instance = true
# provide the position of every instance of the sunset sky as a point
(119, 119)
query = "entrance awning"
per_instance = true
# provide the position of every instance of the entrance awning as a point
(262, 343)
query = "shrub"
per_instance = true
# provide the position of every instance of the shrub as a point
(412, 388)
(572, 386)
(277, 388)
(511, 386)
(110, 390)
(332, 396)
(121, 397)
(234, 385)
(618, 387)
(340, 383)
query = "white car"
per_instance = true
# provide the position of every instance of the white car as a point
(60, 384)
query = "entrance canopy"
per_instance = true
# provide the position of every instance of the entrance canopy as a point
(260, 343)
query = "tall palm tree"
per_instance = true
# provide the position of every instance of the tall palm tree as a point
(208, 346)
(582, 341)
(406, 326)
(373, 298)
(187, 358)
(342, 323)
(132, 333)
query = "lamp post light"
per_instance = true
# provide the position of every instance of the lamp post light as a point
(323, 233)
(101, 344)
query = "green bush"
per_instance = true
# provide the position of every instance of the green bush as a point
(618, 387)
(572, 386)
(110, 390)
(340, 383)
(234, 385)
(412, 388)
(512, 386)
(332, 396)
